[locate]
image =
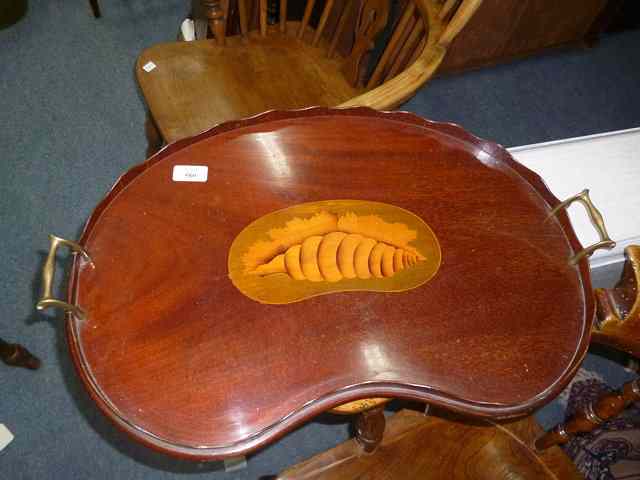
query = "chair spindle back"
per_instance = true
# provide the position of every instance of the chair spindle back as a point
(419, 24)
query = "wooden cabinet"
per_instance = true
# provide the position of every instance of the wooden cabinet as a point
(507, 29)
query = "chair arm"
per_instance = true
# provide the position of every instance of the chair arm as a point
(458, 21)
(403, 86)
(618, 309)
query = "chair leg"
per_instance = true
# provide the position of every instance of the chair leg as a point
(591, 416)
(95, 7)
(369, 427)
(17, 356)
(154, 139)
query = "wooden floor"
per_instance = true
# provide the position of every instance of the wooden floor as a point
(416, 446)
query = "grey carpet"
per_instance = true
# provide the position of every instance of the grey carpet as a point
(71, 121)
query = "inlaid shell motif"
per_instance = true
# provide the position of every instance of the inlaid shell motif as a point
(333, 246)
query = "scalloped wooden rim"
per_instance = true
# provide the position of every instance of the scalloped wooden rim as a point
(354, 392)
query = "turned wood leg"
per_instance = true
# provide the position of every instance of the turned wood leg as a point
(369, 428)
(216, 12)
(17, 356)
(591, 416)
(95, 8)
(154, 139)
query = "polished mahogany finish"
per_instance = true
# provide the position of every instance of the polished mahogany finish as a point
(182, 360)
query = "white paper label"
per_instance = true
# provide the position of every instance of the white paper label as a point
(6, 437)
(190, 173)
(147, 67)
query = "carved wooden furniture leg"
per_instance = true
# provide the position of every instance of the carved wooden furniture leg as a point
(95, 7)
(216, 12)
(369, 428)
(154, 139)
(592, 416)
(17, 356)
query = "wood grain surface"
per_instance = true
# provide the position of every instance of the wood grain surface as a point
(296, 63)
(199, 84)
(439, 448)
(178, 357)
(504, 30)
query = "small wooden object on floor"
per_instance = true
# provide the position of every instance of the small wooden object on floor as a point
(428, 447)
(95, 8)
(16, 355)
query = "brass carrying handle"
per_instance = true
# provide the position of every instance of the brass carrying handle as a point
(596, 220)
(48, 272)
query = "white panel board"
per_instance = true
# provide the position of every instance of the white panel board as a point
(608, 164)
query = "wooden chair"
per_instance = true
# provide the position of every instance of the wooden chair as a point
(191, 86)
(443, 446)
(618, 325)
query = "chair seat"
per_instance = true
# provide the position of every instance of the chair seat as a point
(273, 72)
(446, 447)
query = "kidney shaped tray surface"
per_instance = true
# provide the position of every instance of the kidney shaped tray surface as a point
(330, 255)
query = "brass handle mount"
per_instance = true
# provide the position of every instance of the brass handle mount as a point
(596, 220)
(47, 300)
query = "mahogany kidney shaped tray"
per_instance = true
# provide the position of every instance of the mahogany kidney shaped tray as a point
(329, 255)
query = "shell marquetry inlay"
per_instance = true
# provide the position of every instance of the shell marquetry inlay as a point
(332, 246)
